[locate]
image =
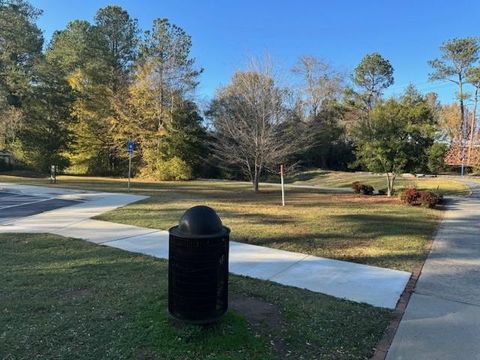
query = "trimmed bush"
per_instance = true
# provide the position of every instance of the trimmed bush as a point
(359, 188)
(414, 197)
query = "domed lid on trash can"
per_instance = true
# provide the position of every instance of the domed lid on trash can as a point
(200, 221)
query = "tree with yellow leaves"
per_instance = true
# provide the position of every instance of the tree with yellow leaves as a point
(164, 80)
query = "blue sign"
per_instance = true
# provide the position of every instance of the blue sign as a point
(130, 146)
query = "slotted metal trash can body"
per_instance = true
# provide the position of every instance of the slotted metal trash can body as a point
(198, 267)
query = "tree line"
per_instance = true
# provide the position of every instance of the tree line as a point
(76, 101)
(94, 87)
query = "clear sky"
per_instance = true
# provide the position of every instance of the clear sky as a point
(225, 33)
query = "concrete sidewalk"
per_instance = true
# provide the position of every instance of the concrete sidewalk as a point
(361, 283)
(442, 319)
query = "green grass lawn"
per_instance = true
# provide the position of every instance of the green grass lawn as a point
(340, 179)
(373, 230)
(474, 180)
(63, 298)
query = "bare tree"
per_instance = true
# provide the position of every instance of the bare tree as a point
(320, 82)
(252, 124)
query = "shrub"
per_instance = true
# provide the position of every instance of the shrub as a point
(410, 196)
(415, 197)
(359, 188)
(173, 169)
(356, 187)
(367, 189)
(429, 199)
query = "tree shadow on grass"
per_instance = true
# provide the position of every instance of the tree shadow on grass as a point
(383, 240)
(256, 218)
(362, 227)
(387, 225)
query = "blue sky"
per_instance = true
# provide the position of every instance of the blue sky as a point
(226, 33)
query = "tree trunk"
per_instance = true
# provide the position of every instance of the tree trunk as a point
(389, 192)
(256, 178)
(390, 183)
(462, 124)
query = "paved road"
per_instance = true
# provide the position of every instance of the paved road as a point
(442, 320)
(13, 206)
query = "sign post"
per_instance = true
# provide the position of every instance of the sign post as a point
(53, 174)
(131, 148)
(283, 185)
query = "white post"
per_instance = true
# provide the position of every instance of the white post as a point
(129, 168)
(283, 185)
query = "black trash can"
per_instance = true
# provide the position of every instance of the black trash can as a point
(198, 267)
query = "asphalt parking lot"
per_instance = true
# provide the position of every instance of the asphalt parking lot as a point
(14, 206)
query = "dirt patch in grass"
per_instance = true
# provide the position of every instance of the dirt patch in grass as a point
(257, 311)
(263, 317)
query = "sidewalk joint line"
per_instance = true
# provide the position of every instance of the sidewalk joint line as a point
(288, 267)
(446, 299)
(130, 236)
